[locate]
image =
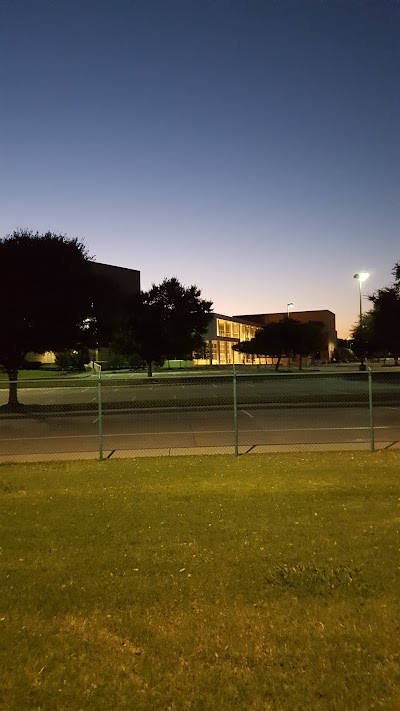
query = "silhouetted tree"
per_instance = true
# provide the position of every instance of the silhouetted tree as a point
(386, 319)
(247, 347)
(45, 295)
(364, 340)
(379, 333)
(185, 316)
(274, 340)
(168, 321)
(287, 337)
(309, 339)
(142, 332)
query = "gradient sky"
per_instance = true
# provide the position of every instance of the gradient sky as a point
(248, 146)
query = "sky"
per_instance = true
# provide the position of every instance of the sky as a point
(250, 147)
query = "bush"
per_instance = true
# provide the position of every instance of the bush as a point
(31, 365)
(64, 360)
(115, 362)
(135, 362)
(72, 360)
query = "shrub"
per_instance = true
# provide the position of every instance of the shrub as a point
(72, 360)
(31, 365)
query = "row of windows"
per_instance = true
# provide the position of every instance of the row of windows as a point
(223, 354)
(232, 329)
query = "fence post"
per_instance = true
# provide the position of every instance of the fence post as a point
(235, 417)
(99, 412)
(371, 411)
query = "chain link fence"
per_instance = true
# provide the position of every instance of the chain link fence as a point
(99, 417)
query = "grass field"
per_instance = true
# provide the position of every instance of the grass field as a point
(263, 583)
(46, 379)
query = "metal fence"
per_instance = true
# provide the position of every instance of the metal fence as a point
(113, 416)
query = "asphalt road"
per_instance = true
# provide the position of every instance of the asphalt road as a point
(200, 429)
(314, 389)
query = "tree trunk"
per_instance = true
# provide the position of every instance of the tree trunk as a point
(149, 368)
(13, 403)
(300, 361)
(277, 363)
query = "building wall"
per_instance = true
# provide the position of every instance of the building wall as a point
(127, 281)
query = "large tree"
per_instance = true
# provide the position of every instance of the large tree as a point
(274, 340)
(364, 339)
(286, 337)
(45, 293)
(379, 332)
(386, 320)
(310, 339)
(168, 321)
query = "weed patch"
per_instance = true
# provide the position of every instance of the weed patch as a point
(323, 580)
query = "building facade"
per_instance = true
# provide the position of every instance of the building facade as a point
(223, 333)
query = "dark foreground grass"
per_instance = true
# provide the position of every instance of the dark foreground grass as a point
(267, 582)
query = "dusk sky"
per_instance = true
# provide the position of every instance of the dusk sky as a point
(248, 146)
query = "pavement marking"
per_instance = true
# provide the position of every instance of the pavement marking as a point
(187, 432)
(247, 413)
(322, 429)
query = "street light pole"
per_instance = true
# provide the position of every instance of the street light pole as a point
(289, 306)
(361, 276)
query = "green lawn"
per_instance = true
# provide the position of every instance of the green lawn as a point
(35, 374)
(46, 379)
(208, 583)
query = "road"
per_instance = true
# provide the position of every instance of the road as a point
(175, 430)
(317, 389)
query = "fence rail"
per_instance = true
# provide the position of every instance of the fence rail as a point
(102, 417)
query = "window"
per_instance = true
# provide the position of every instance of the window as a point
(220, 327)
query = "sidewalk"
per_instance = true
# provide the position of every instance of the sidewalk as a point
(197, 451)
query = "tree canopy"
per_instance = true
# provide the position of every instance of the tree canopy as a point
(168, 321)
(286, 337)
(379, 333)
(45, 292)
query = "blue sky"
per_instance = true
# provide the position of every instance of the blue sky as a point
(248, 146)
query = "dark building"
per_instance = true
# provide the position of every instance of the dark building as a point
(125, 281)
(117, 285)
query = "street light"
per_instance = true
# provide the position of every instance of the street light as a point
(289, 306)
(361, 276)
